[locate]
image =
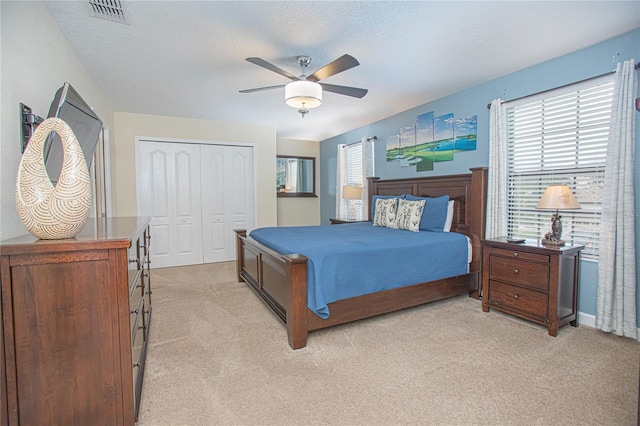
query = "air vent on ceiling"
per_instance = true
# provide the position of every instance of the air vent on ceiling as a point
(111, 10)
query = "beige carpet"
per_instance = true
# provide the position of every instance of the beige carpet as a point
(218, 356)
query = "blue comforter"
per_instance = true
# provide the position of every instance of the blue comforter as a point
(354, 259)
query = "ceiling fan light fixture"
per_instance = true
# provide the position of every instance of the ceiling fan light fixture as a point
(303, 94)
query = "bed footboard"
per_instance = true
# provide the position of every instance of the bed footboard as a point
(279, 280)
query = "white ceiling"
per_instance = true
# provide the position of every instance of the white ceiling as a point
(187, 58)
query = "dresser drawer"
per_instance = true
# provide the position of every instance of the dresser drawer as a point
(520, 271)
(514, 254)
(134, 260)
(135, 313)
(137, 361)
(503, 295)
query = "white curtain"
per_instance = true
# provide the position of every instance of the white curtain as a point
(616, 294)
(342, 208)
(496, 225)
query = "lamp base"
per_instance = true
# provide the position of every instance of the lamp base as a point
(548, 242)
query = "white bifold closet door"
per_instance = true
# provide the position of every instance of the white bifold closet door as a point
(170, 194)
(196, 195)
(227, 198)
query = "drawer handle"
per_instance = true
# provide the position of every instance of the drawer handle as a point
(515, 271)
(133, 260)
(515, 296)
(515, 254)
(135, 312)
(137, 364)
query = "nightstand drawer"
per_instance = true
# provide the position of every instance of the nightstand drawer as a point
(503, 295)
(522, 255)
(530, 274)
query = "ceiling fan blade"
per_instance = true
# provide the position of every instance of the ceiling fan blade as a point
(344, 90)
(343, 63)
(259, 89)
(264, 64)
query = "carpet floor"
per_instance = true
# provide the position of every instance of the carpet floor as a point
(218, 356)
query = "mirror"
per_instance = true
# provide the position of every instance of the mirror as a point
(295, 176)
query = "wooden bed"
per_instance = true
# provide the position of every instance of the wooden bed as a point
(281, 279)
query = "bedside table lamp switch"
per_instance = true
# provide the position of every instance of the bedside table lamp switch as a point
(556, 197)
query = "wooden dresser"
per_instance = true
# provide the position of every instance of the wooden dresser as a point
(532, 281)
(75, 325)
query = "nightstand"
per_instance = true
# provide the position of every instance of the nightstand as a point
(532, 281)
(339, 221)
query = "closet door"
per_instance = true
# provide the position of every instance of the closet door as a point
(170, 193)
(228, 199)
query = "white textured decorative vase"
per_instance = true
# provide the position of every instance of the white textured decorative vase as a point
(46, 211)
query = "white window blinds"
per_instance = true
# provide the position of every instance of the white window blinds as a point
(559, 137)
(355, 164)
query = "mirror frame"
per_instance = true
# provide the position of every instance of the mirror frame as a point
(299, 194)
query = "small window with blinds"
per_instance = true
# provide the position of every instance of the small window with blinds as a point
(559, 137)
(354, 175)
(355, 162)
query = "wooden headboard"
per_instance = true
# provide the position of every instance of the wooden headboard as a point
(468, 190)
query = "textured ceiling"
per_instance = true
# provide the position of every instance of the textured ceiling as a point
(187, 58)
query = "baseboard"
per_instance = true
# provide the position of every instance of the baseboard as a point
(589, 320)
(586, 319)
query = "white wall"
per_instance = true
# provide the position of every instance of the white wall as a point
(304, 210)
(36, 61)
(128, 126)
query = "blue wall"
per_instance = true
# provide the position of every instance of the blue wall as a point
(581, 65)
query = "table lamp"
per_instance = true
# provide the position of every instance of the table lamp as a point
(556, 197)
(351, 193)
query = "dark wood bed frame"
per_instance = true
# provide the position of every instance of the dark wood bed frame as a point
(281, 279)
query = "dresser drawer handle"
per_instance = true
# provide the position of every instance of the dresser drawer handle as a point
(515, 296)
(515, 254)
(133, 260)
(135, 312)
(515, 271)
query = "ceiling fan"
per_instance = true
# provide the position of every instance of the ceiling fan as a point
(304, 92)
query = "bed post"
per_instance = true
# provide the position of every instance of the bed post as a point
(239, 254)
(296, 270)
(477, 220)
(370, 184)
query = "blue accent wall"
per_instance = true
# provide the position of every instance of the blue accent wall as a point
(590, 62)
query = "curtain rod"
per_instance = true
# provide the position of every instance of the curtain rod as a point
(637, 66)
(372, 138)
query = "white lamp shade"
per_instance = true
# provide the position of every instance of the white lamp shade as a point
(352, 192)
(558, 197)
(303, 94)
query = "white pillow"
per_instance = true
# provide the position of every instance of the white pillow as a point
(449, 219)
(409, 215)
(386, 210)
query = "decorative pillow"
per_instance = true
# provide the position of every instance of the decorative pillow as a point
(449, 220)
(409, 215)
(386, 212)
(435, 212)
(381, 197)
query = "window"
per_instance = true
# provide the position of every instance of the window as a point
(356, 163)
(559, 137)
